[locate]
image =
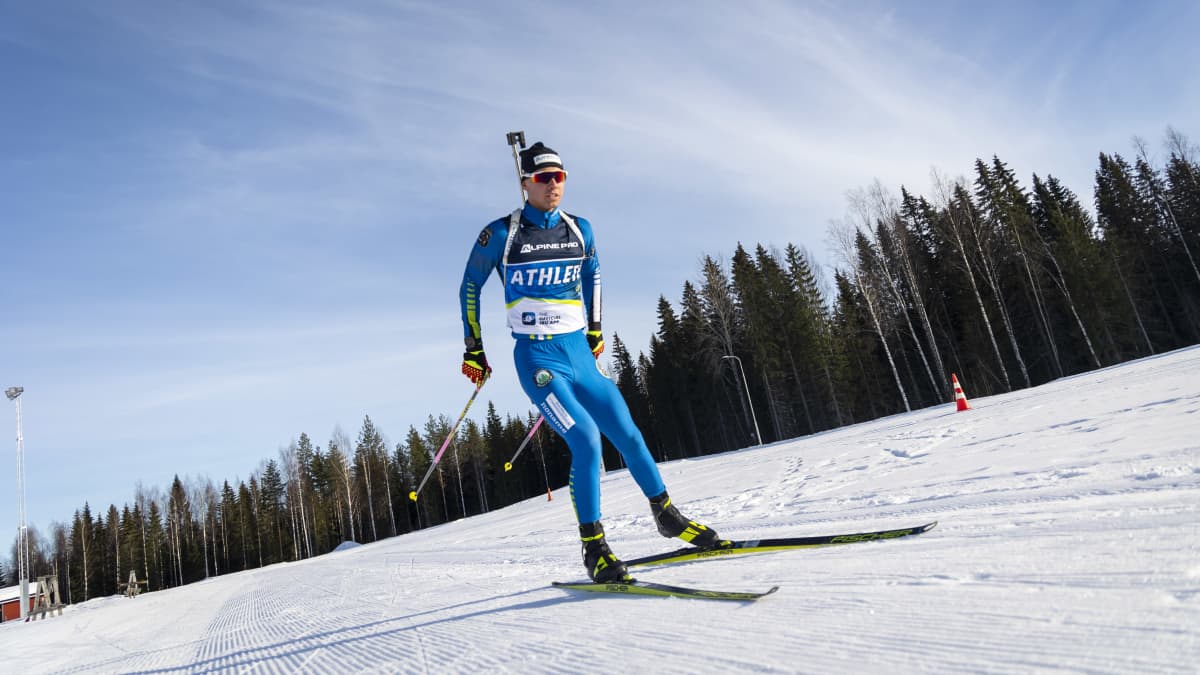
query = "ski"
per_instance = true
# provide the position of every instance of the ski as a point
(737, 547)
(635, 587)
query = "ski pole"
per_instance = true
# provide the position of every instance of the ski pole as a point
(509, 464)
(446, 443)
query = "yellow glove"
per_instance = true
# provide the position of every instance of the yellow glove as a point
(596, 341)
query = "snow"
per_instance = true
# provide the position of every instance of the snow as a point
(1069, 539)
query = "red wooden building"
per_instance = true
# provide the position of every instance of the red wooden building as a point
(10, 601)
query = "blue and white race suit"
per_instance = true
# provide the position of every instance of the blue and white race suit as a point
(552, 293)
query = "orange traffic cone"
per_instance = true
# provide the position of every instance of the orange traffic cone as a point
(959, 397)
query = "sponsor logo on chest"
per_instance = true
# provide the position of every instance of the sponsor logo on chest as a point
(549, 246)
(544, 319)
(546, 276)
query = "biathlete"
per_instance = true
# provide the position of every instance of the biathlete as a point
(547, 259)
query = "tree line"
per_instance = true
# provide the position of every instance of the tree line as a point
(1007, 285)
(305, 502)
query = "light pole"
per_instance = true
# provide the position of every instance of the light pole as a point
(14, 395)
(750, 403)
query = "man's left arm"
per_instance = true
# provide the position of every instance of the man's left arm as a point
(590, 282)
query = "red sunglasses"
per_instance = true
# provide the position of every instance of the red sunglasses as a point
(549, 177)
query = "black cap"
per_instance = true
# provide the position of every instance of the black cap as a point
(537, 157)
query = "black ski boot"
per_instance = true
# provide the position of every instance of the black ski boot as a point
(602, 566)
(672, 523)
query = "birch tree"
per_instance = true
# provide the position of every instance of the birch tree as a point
(845, 239)
(875, 209)
(955, 233)
(339, 444)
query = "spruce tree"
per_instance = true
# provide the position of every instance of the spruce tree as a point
(366, 460)
(1080, 275)
(763, 341)
(1008, 212)
(271, 510)
(820, 363)
(628, 382)
(178, 521)
(231, 550)
(1122, 220)
(402, 466)
(866, 375)
(305, 454)
(112, 547)
(506, 487)
(1174, 272)
(341, 471)
(665, 384)
(420, 457)
(155, 540)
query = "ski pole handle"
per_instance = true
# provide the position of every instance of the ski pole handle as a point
(516, 138)
(509, 464)
(446, 443)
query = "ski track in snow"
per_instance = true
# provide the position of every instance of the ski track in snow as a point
(1068, 539)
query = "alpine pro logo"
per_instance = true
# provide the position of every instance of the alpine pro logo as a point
(553, 246)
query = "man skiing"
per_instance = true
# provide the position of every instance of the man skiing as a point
(547, 259)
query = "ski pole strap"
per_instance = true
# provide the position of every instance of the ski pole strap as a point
(446, 443)
(509, 464)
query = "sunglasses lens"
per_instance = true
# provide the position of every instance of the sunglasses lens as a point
(549, 176)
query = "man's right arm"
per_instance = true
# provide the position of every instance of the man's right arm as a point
(485, 257)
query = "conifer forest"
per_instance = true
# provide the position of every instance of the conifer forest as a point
(1008, 282)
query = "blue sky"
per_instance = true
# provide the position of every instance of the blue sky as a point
(225, 224)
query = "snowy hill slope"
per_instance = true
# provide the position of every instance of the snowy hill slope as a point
(1069, 538)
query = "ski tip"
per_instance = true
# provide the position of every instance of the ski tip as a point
(413, 495)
